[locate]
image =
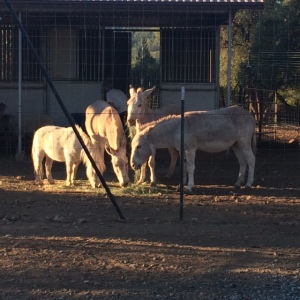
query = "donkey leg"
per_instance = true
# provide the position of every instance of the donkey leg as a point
(38, 168)
(69, 172)
(74, 168)
(151, 164)
(250, 158)
(48, 167)
(184, 172)
(243, 165)
(174, 156)
(142, 173)
(190, 168)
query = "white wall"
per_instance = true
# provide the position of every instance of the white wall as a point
(76, 98)
(197, 96)
(33, 98)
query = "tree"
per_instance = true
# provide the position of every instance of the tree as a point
(273, 70)
(145, 72)
(275, 50)
(243, 27)
(153, 41)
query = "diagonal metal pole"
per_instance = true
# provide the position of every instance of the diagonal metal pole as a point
(58, 98)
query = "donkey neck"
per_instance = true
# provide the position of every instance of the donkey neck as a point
(114, 132)
(162, 134)
(149, 116)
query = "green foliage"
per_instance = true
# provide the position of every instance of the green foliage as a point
(265, 49)
(275, 50)
(291, 95)
(243, 27)
(152, 39)
(145, 59)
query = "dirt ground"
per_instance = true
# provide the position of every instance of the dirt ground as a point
(71, 243)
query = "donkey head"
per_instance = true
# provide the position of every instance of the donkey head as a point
(137, 104)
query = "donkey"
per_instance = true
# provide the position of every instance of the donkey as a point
(138, 110)
(210, 131)
(61, 144)
(104, 126)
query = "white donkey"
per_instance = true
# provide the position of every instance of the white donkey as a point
(211, 131)
(139, 110)
(61, 144)
(103, 124)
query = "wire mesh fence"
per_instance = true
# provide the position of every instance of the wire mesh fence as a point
(146, 45)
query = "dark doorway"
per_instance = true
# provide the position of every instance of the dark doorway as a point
(118, 58)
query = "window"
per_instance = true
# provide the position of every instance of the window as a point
(9, 61)
(89, 52)
(7, 54)
(188, 55)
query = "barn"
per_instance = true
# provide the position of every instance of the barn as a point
(83, 42)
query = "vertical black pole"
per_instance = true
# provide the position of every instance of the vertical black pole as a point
(182, 153)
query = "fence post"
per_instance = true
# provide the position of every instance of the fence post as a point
(182, 156)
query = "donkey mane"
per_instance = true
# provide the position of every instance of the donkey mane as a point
(94, 151)
(160, 120)
(86, 139)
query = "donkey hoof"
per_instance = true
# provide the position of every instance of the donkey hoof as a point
(248, 187)
(36, 182)
(188, 191)
(153, 184)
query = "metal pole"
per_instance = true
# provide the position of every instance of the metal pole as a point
(102, 92)
(229, 60)
(182, 153)
(68, 116)
(19, 150)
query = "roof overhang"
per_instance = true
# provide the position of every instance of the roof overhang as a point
(129, 13)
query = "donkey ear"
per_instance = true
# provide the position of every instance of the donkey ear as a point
(148, 92)
(109, 150)
(132, 91)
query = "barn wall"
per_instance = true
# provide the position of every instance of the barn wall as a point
(197, 96)
(62, 62)
(33, 98)
(73, 57)
(75, 96)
